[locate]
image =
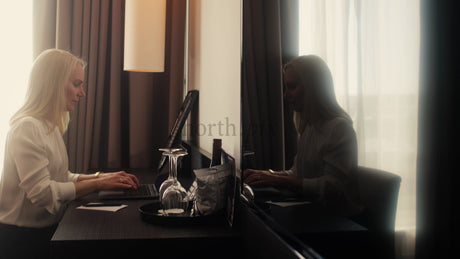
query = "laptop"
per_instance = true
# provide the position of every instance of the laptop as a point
(149, 191)
(145, 191)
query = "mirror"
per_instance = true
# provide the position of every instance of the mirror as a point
(269, 139)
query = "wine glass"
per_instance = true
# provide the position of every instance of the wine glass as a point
(173, 199)
(168, 182)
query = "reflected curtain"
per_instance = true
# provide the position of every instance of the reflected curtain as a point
(125, 116)
(289, 49)
(263, 56)
(372, 49)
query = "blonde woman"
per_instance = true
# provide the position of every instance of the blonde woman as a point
(35, 184)
(323, 170)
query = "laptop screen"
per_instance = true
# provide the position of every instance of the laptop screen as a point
(174, 137)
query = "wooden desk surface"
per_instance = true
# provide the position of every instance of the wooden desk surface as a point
(125, 224)
(87, 233)
(123, 234)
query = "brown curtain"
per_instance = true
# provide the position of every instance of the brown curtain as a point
(267, 43)
(125, 116)
(289, 14)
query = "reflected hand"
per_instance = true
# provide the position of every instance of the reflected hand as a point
(249, 172)
(261, 178)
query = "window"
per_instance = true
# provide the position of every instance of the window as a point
(16, 53)
(372, 49)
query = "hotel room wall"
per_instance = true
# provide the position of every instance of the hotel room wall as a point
(215, 70)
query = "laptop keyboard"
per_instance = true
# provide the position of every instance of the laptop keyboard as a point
(143, 190)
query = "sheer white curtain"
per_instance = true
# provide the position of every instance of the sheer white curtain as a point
(372, 48)
(16, 59)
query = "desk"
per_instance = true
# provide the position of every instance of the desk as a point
(123, 234)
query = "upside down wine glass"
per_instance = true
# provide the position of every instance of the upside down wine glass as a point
(173, 198)
(168, 182)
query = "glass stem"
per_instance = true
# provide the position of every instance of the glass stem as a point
(173, 168)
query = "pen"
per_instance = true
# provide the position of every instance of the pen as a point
(99, 204)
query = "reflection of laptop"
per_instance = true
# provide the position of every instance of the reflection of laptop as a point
(145, 191)
(263, 194)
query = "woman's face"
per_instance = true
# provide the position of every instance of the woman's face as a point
(293, 90)
(74, 88)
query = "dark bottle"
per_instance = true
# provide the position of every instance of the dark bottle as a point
(216, 152)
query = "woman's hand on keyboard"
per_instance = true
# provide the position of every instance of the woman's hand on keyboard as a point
(117, 180)
(104, 181)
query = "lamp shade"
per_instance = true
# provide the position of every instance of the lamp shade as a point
(145, 22)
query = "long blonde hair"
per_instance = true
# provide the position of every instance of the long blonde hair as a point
(319, 96)
(45, 98)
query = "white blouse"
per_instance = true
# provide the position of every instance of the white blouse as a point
(326, 160)
(35, 184)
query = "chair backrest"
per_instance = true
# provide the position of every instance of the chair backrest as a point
(379, 191)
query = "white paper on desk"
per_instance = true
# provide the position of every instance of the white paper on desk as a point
(287, 203)
(104, 208)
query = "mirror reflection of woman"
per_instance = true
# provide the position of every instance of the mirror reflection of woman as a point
(323, 170)
(36, 184)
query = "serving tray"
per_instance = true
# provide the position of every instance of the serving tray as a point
(153, 213)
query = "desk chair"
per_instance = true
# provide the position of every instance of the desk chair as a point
(379, 192)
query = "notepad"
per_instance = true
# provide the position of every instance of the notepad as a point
(103, 208)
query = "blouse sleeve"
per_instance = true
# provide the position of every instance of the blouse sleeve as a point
(28, 149)
(72, 177)
(339, 158)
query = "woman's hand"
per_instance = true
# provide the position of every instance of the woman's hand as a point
(105, 181)
(117, 180)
